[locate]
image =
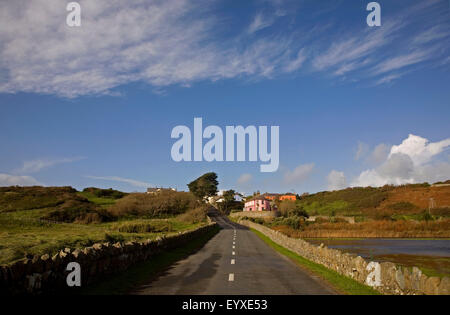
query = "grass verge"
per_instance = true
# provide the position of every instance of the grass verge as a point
(339, 282)
(144, 272)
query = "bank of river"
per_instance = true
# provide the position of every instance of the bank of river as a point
(432, 256)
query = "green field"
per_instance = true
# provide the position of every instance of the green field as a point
(44, 220)
(23, 233)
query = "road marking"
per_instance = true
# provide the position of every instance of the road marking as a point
(231, 277)
(234, 247)
(233, 261)
(233, 253)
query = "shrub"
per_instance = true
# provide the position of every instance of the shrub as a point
(294, 222)
(194, 216)
(105, 193)
(162, 204)
(426, 216)
(144, 227)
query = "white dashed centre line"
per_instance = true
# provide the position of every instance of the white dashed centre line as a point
(233, 261)
(234, 243)
(234, 247)
(233, 253)
(231, 277)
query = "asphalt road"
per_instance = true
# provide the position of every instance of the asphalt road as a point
(235, 261)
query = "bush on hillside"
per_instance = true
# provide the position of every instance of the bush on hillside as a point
(195, 215)
(161, 204)
(105, 193)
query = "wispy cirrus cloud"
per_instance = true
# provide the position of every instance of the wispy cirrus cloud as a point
(176, 42)
(260, 22)
(160, 43)
(132, 182)
(391, 50)
(37, 165)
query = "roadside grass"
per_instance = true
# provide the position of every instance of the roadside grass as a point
(22, 233)
(144, 272)
(339, 282)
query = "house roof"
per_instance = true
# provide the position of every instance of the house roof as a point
(260, 197)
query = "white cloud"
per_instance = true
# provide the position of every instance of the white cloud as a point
(180, 42)
(434, 33)
(412, 161)
(296, 63)
(13, 180)
(244, 179)
(131, 182)
(37, 165)
(379, 154)
(361, 150)
(419, 149)
(336, 180)
(158, 42)
(299, 174)
(364, 53)
(260, 21)
(401, 61)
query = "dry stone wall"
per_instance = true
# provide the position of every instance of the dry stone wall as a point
(45, 274)
(254, 214)
(386, 277)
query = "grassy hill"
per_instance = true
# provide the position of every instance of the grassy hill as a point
(378, 203)
(38, 220)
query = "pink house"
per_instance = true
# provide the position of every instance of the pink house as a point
(257, 204)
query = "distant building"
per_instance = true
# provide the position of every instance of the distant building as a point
(154, 190)
(271, 196)
(288, 196)
(281, 197)
(259, 203)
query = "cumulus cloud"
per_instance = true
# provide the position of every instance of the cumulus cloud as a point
(244, 179)
(34, 166)
(131, 182)
(419, 149)
(13, 180)
(412, 161)
(299, 174)
(336, 180)
(379, 154)
(361, 150)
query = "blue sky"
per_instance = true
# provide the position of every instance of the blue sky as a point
(95, 105)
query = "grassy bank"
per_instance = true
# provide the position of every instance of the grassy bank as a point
(43, 220)
(439, 229)
(21, 235)
(143, 273)
(340, 283)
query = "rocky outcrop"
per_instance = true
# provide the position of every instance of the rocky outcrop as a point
(385, 277)
(45, 274)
